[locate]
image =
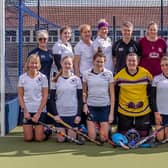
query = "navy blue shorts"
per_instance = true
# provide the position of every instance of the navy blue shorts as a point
(99, 114)
(164, 119)
(68, 120)
(30, 122)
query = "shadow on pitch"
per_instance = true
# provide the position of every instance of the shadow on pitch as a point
(16, 147)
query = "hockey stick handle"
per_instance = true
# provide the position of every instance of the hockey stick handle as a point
(153, 135)
(75, 130)
(90, 118)
(54, 129)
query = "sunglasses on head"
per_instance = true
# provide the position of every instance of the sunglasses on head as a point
(40, 39)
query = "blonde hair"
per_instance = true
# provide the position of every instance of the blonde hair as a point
(42, 33)
(164, 58)
(60, 71)
(102, 20)
(128, 24)
(152, 23)
(83, 26)
(32, 57)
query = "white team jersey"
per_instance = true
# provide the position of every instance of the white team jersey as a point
(106, 46)
(66, 95)
(98, 87)
(62, 49)
(85, 52)
(33, 90)
(161, 84)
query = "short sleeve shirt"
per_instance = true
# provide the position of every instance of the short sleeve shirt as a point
(33, 90)
(106, 46)
(85, 52)
(62, 49)
(98, 87)
(152, 52)
(161, 84)
(66, 95)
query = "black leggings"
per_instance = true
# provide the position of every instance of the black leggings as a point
(141, 124)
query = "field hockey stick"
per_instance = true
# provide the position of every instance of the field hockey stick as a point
(124, 146)
(75, 130)
(55, 130)
(150, 137)
(90, 118)
(120, 140)
(160, 142)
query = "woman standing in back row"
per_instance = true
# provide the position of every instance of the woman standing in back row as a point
(152, 48)
(83, 59)
(62, 47)
(46, 58)
(104, 42)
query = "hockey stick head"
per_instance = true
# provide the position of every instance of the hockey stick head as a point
(120, 140)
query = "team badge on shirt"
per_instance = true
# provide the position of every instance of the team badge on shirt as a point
(106, 75)
(160, 50)
(43, 56)
(73, 81)
(39, 81)
(131, 49)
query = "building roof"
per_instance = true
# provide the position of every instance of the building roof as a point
(76, 15)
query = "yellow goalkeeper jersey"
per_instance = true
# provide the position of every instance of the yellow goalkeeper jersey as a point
(133, 98)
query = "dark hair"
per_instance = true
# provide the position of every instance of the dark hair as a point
(132, 54)
(64, 28)
(99, 53)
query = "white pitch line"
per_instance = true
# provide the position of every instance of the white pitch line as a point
(11, 136)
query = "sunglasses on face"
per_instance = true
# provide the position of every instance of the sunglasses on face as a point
(42, 39)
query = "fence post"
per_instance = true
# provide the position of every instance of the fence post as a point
(20, 45)
(2, 68)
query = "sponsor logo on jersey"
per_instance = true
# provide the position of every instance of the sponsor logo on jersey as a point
(154, 55)
(121, 49)
(160, 50)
